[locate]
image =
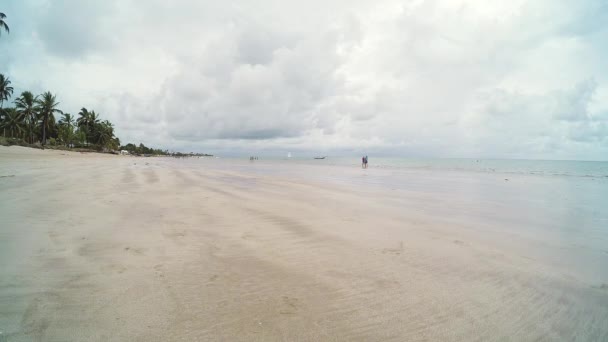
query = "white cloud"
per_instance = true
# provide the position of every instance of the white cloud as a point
(437, 78)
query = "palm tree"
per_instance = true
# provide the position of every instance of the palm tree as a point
(47, 106)
(86, 122)
(84, 117)
(13, 121)
(67, 119)
(26, 105)
(95, 128)
(93, 122)
(105, 133)
(5, 89)
(3, 25)
(94, 117)
(66, 125)
(83, 122)
(5, 93)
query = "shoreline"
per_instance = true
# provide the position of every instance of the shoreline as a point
(24, 145)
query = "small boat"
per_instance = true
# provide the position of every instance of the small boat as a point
(320, 157)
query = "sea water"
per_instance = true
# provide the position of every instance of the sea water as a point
(558, 207)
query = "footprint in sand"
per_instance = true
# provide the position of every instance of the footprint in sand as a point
(247, 236)
(54, 236)
(290, 306)
(396, 251)
(158, 269)
(135, 251)
(114, 268)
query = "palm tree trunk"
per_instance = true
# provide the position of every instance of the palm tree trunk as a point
(32, 128)
(43, 132)
(3, 128)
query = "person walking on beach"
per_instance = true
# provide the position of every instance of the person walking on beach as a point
(363, 162)
(366, 162)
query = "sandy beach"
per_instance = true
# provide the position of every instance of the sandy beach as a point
(112, 248)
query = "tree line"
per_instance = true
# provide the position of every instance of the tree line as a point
(37, 119)
(143, 150)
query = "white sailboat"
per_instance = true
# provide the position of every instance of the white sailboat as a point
(288, 154)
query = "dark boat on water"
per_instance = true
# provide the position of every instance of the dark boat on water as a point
(319, 157)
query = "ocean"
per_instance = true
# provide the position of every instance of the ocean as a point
(560, 205)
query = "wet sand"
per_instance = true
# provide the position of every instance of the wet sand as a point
(97, 247)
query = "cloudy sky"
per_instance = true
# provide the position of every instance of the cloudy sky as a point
(504, 79)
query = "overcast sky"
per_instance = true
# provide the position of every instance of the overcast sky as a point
(514, 79)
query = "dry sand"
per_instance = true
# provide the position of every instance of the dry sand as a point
(97, 247)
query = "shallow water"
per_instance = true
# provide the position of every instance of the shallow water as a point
(559, 204)
(571, 168)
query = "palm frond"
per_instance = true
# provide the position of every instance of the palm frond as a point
(3, 25)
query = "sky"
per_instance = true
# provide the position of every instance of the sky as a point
(463, 79)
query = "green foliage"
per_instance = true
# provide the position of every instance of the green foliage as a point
(26, 105)
(14, 142)
(47, 107)
(80, 138)
(5, 89)
(32, 121)
(66, 133)
(12, 123)
(143, 150)
(97, 133)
